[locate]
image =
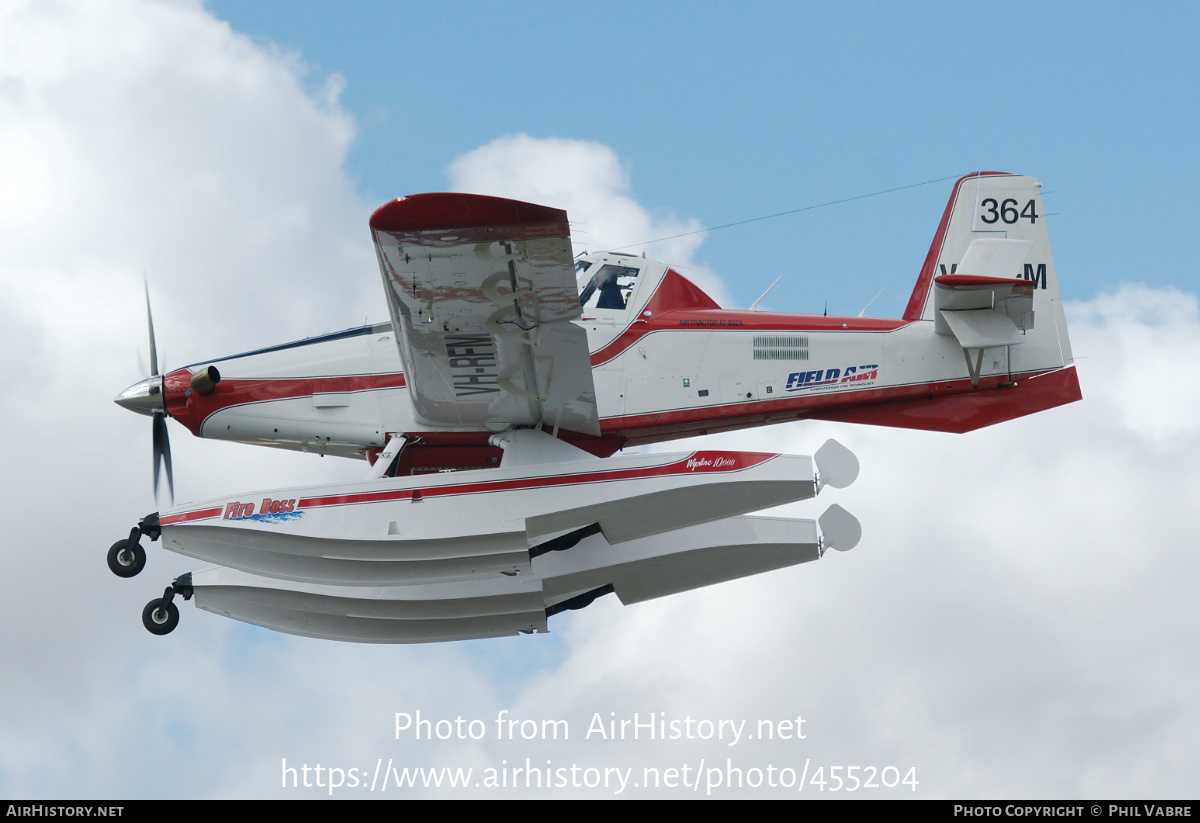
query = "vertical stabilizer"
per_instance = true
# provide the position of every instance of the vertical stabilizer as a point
(984, 208)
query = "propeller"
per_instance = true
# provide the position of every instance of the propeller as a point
(147, 397)
(162, 443)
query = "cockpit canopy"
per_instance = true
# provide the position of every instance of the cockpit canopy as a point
(612, 283)
(609, 288)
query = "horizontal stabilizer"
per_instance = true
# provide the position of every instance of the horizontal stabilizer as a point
(986, 290)
(981, 328)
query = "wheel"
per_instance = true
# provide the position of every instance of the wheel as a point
(126, 558)
(160, 616)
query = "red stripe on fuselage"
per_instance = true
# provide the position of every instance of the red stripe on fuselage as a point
(967, 411)
(678, 306)
(696, 463)
(192, 409)
(949, 406)
(701, 462)
(202, 514)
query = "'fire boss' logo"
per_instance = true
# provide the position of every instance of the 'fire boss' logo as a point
(804, 380)
(269, 510)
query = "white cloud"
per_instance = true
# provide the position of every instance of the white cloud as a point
(148, 136)
(593, 185)
(1142, 335)
(139, 136)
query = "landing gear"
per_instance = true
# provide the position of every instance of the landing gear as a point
(161, 615)
(127, 557)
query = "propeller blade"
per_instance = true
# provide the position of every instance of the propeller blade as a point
(157, 434)
(162, 455)
(150, 323)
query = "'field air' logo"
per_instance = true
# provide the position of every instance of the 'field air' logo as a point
(805, 380)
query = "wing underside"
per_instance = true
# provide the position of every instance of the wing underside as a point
(482, 292)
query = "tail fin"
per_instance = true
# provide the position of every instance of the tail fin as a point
(986, 207)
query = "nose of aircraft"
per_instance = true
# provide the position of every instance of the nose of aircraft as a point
(145, 397)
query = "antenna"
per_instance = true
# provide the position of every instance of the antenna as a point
(863, 313)
(754, 305)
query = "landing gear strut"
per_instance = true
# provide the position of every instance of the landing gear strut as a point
(127, 558)
(161, 616)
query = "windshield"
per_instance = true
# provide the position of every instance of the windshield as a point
(609, 288)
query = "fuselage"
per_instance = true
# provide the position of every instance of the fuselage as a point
(668, 364)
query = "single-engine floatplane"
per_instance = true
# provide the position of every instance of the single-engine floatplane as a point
(493, 407)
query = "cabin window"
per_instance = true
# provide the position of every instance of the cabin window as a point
(609, 288)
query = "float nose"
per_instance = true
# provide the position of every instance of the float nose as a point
(145, 397)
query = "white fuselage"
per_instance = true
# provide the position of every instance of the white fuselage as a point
(661, 370)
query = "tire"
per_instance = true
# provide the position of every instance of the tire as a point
(126, 560)
(160, 616)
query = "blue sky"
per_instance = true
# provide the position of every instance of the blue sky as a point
(1020, 618)
(725, 112)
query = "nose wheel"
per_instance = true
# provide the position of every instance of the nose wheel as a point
(161, 615)
(127, 558)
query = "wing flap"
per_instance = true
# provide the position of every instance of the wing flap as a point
(482, 291)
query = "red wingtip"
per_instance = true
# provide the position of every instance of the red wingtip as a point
(467, 218)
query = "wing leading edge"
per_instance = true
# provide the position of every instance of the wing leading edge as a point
(482, 294)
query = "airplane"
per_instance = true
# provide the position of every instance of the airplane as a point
(494, 407)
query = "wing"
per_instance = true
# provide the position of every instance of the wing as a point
(482, 294)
